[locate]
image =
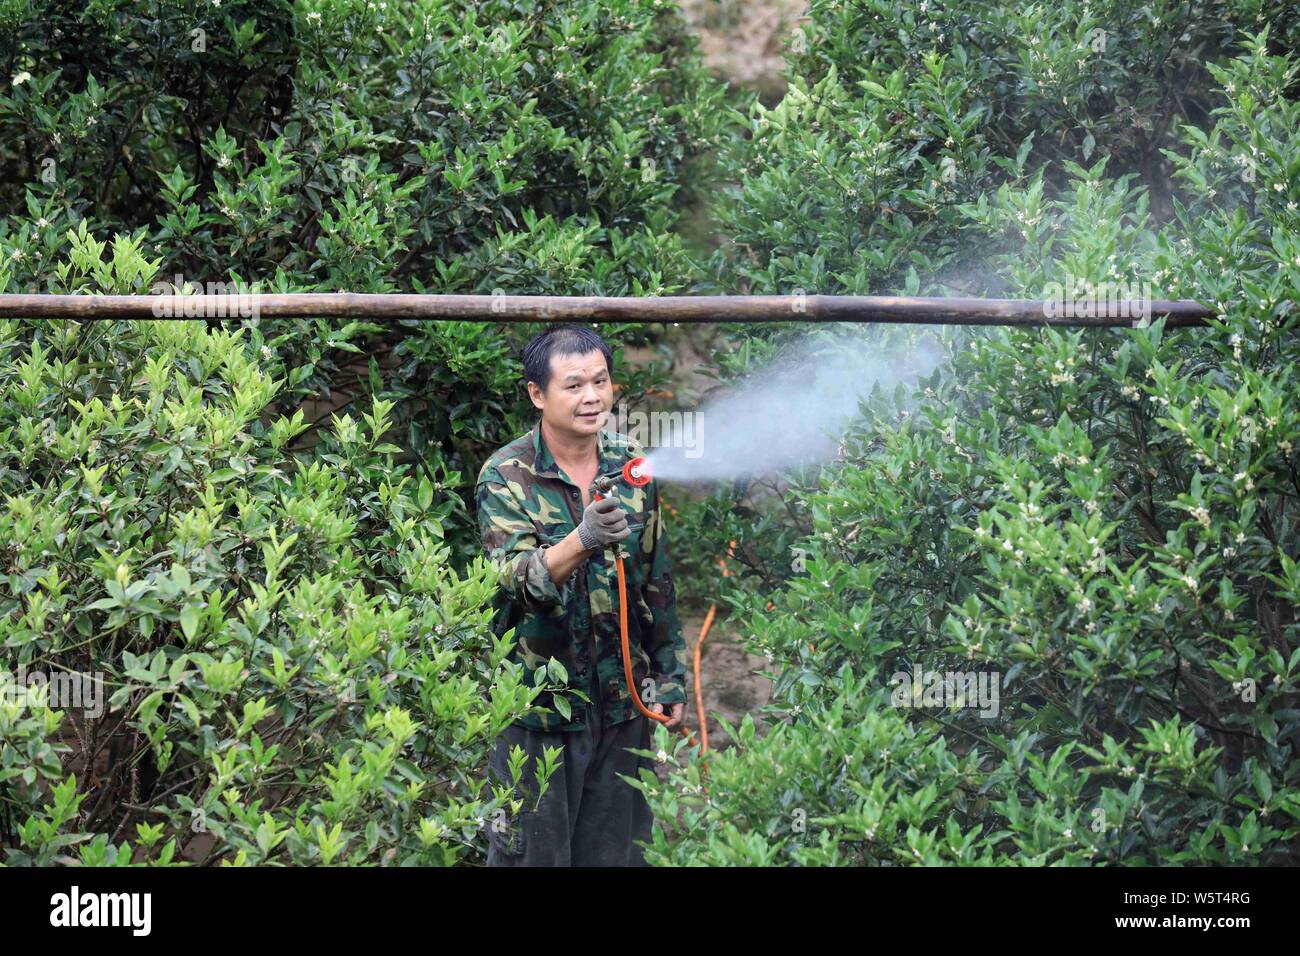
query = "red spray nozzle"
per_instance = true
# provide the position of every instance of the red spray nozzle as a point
(637, 472)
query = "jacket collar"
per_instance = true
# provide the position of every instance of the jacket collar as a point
(544, 464)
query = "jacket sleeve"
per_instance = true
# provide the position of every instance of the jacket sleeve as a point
(510, 542)
(664, 644)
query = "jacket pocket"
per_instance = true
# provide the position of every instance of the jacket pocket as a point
(553, 533)
(635, 541)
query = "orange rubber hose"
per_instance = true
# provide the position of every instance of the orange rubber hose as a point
(627, 651)
(699, 688)
(627, 655)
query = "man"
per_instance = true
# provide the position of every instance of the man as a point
(559, 591)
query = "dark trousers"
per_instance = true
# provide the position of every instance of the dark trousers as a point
(588, 816)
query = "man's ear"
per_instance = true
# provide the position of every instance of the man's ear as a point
(536, 395)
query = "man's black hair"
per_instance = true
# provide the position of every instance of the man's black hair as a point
(562, 340)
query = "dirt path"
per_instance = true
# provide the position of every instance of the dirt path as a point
(744, 41)
(732, 685)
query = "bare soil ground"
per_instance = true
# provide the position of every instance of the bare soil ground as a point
(732, 685)
(743, 41)
(731, 677)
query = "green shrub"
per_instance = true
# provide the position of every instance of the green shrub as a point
(359, 146)
(897, 113)
(1104, 520)
(294, 672)
(396, 147)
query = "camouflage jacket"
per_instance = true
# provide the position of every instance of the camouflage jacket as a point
(526, 504)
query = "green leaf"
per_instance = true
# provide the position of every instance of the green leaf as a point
(190, 621)
(563, 707)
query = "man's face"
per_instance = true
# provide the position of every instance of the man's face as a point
(578, 397)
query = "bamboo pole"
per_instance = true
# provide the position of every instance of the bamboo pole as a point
(557, 308)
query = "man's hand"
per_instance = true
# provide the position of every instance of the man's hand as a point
(676, 716)
(603, 523)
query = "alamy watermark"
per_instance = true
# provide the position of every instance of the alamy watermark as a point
(76, 908)
(660, 429)
(947, 689)
(60, 690)
(208, 300)
(1082, 299)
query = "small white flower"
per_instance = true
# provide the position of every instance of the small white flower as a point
(20, 78)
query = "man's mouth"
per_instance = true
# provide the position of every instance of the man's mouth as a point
(589, 414)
